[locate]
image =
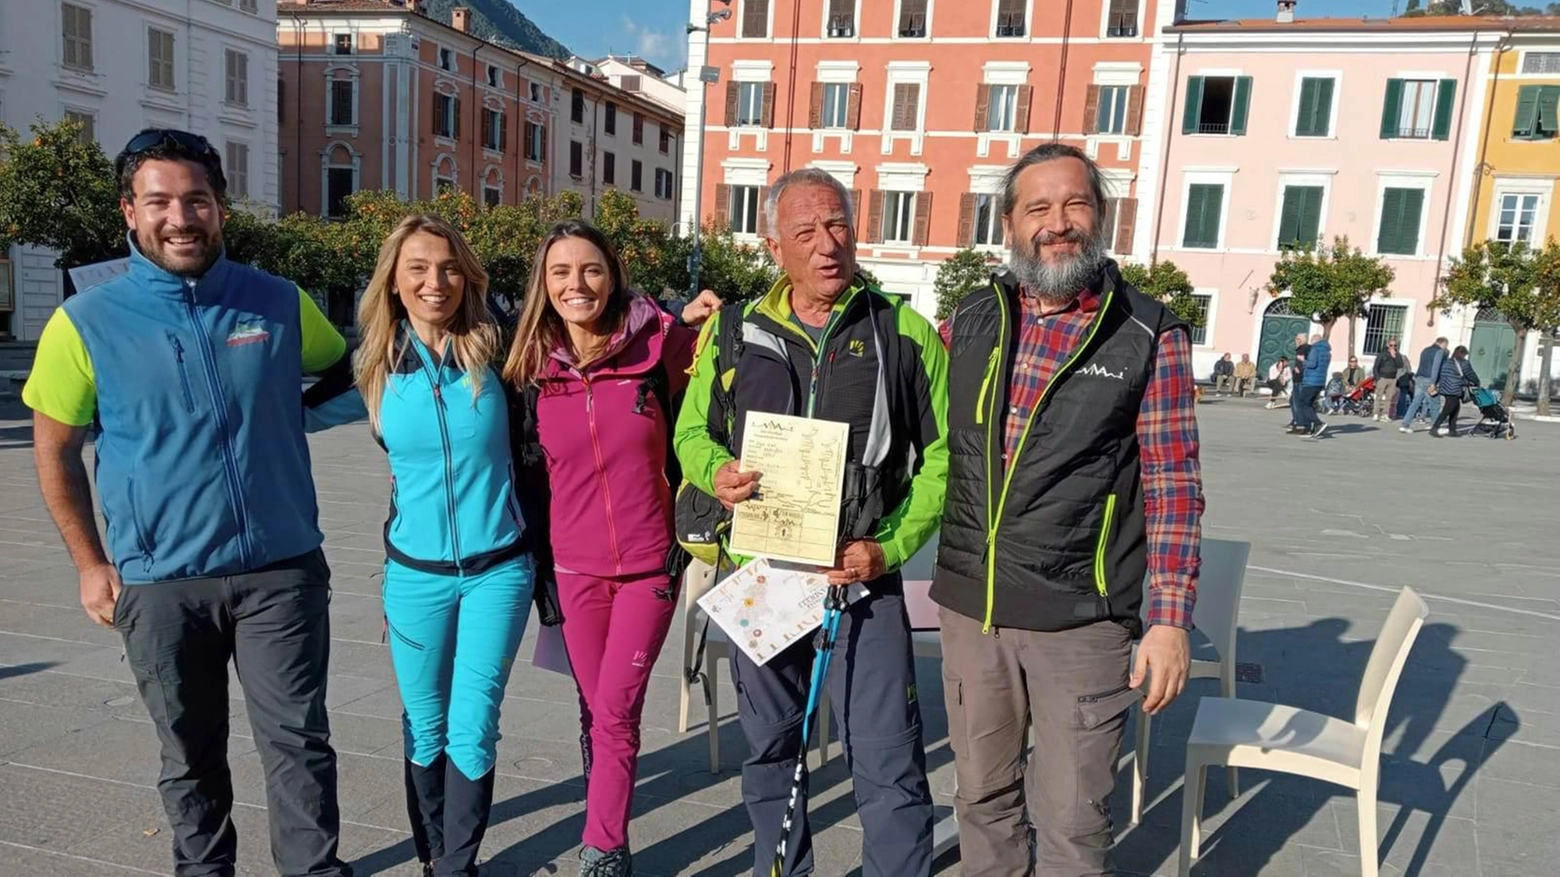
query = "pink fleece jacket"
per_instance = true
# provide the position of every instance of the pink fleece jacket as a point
(611, 512)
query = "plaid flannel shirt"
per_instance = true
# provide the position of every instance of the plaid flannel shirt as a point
(1167, 436)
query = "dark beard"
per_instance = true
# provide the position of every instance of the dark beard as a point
(208, 257)
(1058, 282)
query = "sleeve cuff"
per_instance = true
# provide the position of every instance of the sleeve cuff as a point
(1171, 605)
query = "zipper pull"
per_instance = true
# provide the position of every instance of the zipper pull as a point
(438, 396)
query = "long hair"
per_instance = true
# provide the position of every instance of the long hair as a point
(473, 333)
(540, 329)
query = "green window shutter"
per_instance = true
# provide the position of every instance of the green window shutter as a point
(1391, 220)
(1310, 216)
(1289, 215)
(1445, 102)
(1203, 203)
(1194, 91)
(1321, 121)
(1242, 105)
(1305, 120)
(1390, 108)
(1408, 227)
(1548, 123)
(1526, 122)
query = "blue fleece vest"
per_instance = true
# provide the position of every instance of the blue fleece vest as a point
(202, 465)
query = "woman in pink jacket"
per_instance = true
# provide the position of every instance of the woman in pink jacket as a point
(602, 364)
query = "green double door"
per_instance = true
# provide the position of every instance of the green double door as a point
(1279, 328)
(1489, 351)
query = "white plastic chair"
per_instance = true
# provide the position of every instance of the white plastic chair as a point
(1286, 739)
(1215, 613)
(698, 579)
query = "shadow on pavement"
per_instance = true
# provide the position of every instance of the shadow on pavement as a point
(25, 669)
(1314, 668)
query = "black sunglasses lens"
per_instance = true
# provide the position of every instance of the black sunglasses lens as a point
(150, 139)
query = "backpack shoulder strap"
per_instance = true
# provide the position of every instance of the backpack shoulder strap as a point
(659, 385)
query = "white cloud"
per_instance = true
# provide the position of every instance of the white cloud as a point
(655, 46)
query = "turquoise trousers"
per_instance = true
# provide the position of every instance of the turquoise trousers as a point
(453, 640)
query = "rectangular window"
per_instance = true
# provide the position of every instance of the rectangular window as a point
(836, 105)
(1516, 216)
(236, 166)
(1122, 20)
(609, 119)
(636, 176)
(1401, 210)
(341, 102)
(7, 291)
(842, 19)
(609, 168)
(639, 129)
(912, 19)
(340, 182)
(442, 185)
(907, 106)
(898, 217)
(1541, 62)
(663, 183)
(495, 78)
(576, 159)
(1011, 18)
(1416, 111)
(1216, 105)
(1538, 113)
(666, 141)
(1111, 117)
(76, 25)
(744, 209)
(1002, 112)
(446, 59)
(631, 84)
(88, 123)
(249, 5)
(535, 142)
(1301, 216)
(755, 20)
(577, 107)
(1314, 117)
(444, 115)
(493, 130)
(750, 103)
(343, 44)
(492, 196)
(988, 220)
(1204, 206)
(1383, 323)
(159, 56)
(237, 91)
(536, 92)
(1200, 332)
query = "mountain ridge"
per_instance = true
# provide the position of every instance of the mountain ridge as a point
(498, 21)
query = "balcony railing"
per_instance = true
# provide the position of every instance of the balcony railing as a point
(1413, 134)
(1213, 128)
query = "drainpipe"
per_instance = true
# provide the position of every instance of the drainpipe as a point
(1484, 145)
(790, 99)
(298, 108)
(520, 145)
(1446, 215)
(1164, 162)
(476, 124)
(1061, 73)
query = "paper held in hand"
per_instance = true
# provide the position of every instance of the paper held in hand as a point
(795, 513)
(766, 607)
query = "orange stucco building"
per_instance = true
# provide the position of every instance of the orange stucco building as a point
(917, 106)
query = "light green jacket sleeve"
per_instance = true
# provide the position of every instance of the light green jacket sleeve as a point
(700, 454)
(906, 529)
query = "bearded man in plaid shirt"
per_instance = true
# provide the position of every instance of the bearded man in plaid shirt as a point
(1073, 473)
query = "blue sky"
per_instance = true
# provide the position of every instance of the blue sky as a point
(654, 28)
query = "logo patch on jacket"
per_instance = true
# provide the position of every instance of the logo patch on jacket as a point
(857, 347)
(252, 332)
(1096, 370)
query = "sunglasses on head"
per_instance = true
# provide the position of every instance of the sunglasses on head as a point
(147, 140)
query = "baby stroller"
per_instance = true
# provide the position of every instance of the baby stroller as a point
(1360, 400)
(1493, 417)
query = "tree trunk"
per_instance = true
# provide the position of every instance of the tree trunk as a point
(1547, 345)
(1327, 327)
(1513, 368)
(1352, 322)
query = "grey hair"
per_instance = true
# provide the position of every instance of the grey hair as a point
(807, 176)
(1049, 152)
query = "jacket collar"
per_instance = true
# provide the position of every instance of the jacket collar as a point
(634, 348)
(153, 278)
(776, 305)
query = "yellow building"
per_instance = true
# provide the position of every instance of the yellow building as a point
(1517, 188)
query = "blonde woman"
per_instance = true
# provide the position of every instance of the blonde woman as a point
(459, 577)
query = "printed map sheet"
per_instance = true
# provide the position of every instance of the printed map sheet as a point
(795, 514)
(766, 607)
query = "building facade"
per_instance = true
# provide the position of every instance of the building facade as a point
(917, 106)
(376, 95)
(1284, 134)
(118, 66)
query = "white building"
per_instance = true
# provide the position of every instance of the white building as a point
(636, 75)
(118, 66)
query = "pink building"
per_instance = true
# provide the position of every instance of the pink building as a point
(1286, 132)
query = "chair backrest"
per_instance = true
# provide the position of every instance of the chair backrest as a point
(1385, 666)
(1218, 592)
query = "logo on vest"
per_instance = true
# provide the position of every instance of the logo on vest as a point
(248, 333)
(857, 347)
(1096, 370)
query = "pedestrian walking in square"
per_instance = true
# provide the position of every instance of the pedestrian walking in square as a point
(186, 372)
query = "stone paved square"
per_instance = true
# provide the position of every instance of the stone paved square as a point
(1471, 777)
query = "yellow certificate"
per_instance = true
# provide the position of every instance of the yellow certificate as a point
(795, 513)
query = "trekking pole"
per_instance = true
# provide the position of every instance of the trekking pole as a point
(833, 603)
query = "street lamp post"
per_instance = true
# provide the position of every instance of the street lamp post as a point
(707, 75)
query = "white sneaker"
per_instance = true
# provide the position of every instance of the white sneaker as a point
(1404, 429)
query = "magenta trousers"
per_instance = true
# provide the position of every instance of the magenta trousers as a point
(613, 629)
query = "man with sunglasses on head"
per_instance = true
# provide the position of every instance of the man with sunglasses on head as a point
(187, 371)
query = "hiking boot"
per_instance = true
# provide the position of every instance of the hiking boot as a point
(606, 863)
(425, 809)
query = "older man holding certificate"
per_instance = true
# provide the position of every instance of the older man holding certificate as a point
(826, 344)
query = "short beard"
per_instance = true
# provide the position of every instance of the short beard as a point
(208, 257)
(1060, 281)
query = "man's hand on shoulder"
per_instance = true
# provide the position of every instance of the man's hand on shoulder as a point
(1165, 658)
(100, 587)
(697, 311)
